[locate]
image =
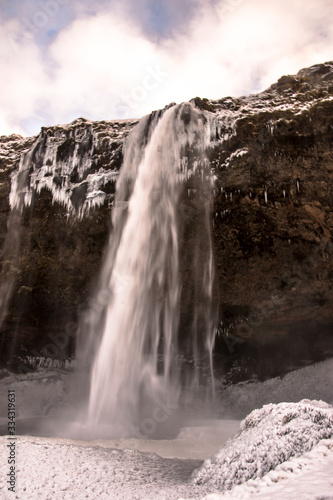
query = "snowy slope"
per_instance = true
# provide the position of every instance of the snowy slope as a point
(311, 382)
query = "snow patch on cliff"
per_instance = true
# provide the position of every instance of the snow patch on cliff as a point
(235, 154)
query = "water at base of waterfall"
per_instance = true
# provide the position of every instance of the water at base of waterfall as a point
(132, 327)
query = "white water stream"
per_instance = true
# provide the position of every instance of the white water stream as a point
(134, 322)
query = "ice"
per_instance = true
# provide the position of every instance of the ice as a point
(58, 182)
(62, 160)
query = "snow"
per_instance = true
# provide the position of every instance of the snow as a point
(307, 478)
(67, 469)
(64, 470)
(310, 382)
(11, 147)
(272, 436)
(236, 154)
(226, 117)
(42, 362)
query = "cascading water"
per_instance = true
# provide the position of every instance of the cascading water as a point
(134, 327)
(10, 251)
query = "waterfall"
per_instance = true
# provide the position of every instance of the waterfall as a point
(134, 320)
(10, 252)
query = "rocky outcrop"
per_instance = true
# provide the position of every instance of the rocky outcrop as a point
(272, 221)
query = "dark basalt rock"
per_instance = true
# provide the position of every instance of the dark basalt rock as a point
(272, 223)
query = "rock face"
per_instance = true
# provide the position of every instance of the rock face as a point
(272, 222)
(57, 178)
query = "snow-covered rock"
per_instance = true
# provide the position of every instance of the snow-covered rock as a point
(269, 436)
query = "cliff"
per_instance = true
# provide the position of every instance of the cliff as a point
(272, 222)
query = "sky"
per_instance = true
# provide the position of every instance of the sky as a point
(110, 59)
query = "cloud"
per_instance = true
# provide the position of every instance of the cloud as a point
(22, 76)
(157, 18)
(106, 61)
(254, 41)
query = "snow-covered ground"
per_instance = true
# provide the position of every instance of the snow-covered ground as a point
(311, 382)
(56, 468)
(278, 452)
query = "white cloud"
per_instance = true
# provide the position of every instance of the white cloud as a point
(103, 66)
(255, 41)
(98, 63)
(22, 78)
